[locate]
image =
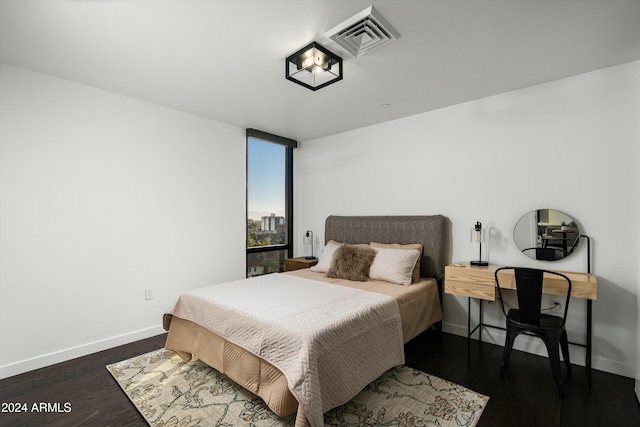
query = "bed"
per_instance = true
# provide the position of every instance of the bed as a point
(346, 365)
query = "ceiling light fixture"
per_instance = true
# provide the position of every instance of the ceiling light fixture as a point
(313, 67)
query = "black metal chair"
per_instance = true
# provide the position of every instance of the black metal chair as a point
(527, 318)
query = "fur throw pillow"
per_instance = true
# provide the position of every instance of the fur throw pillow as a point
(352, 262)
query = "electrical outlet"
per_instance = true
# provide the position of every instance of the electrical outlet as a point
(557, 307)
(148, 293)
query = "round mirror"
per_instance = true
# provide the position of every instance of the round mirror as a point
(547, 235)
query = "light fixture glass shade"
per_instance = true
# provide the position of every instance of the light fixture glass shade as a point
(308, 237)
(477, 233)
(313, 67)
(478, 236)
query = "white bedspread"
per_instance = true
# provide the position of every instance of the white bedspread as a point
(329, 341)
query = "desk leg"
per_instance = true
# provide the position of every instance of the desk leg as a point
(589, 333)
(478, 326)
(469, 326)
(481, 320)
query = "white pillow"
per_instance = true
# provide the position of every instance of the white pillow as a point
(394, 265)
(324, 260)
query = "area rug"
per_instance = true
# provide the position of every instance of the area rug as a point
(171, 392)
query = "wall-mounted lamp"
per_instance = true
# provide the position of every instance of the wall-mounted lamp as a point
(313, 67)
(478, 236)
(309, 237)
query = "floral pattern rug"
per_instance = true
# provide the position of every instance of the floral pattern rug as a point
(171, 392)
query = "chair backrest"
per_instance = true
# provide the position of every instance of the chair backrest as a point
(529, 284)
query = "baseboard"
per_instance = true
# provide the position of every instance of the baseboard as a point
(454, 329)
(535, 346)
(38, 362)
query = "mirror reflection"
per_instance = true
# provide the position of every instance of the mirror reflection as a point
(546, 234)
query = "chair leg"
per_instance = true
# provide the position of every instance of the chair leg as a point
(506, 354)
(564, 344)
(556, 368)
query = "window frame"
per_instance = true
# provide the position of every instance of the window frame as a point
(289, 145)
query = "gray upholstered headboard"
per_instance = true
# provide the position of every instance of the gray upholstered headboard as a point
(431, 231)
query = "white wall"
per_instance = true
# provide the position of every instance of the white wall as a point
(637, 387)
(570, 145)
(101, 197)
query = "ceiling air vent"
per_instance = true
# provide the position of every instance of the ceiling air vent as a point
(363, 32)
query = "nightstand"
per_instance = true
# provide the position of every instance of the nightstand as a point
(291, 264)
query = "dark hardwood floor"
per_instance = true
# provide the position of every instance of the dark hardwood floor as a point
(525, 397)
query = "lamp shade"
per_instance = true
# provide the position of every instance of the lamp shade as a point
(478, 236)
(309, 238)
(477, 233)
(313, 67)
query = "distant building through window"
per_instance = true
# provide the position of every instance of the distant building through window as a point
(273, 223)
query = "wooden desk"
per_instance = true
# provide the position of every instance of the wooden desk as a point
(479, 282)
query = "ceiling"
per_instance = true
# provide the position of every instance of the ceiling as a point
(225, 59)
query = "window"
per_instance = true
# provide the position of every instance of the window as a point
(269, 202)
